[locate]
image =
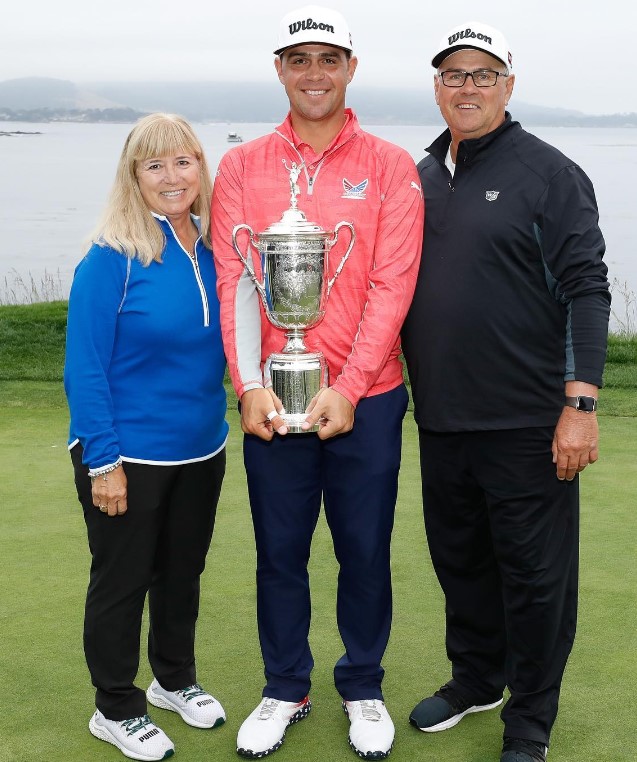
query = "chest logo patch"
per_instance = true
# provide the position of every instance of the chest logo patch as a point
(491, 195)
(354, 191)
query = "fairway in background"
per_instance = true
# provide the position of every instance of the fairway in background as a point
(47, 697)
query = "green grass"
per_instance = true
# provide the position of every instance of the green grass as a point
(46, 693)
(32, 341)
(47, 696)
(621, 363)
(32, 349)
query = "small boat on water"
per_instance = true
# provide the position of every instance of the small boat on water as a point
(234, 137)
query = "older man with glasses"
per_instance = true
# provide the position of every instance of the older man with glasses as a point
(505, 344)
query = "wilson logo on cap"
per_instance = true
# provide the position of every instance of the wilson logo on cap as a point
(469, 33)
(313, 24)
(474, 35)
(299, 26)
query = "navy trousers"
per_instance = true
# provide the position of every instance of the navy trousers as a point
(503, 536)
(157, 548)
(356, 476)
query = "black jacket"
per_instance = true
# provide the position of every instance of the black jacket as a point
(512, 298)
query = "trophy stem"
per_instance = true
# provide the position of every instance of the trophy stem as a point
(295, 342)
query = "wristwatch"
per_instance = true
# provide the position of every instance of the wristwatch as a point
(583, 404)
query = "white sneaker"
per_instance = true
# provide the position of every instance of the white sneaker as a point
(196, 707)
(371, 730)
(137, 738)
(263, 731)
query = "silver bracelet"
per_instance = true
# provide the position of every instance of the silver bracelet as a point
(103, 470)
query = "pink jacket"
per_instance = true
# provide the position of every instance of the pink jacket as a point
(361, 179)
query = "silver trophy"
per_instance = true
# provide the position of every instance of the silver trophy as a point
(294, 263)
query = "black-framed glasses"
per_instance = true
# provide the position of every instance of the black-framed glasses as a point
(481, 77)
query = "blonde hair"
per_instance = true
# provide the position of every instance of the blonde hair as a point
(126, 224)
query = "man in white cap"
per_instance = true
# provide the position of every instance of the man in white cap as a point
(337, 172)
(505, 344)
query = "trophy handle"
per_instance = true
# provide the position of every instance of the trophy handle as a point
(347, 253)
(245, 257)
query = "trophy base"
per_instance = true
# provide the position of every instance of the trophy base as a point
(296, 380)
(293, 422)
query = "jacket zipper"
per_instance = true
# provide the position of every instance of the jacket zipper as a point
(195, 266)
(202, 290)
(312, 178)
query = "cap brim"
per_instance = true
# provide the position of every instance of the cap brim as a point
(308, 42)
(440, 57)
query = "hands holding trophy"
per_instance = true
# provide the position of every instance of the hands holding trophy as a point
(294, 255)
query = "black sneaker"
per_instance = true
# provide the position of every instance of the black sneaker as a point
(521, 750)
(445, 709)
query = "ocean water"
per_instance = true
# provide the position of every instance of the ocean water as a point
(55, 185)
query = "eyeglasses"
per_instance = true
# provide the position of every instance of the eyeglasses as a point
(481, 77)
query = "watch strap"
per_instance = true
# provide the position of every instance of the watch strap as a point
(582, 403)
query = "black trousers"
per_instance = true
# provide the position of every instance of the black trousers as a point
(158, 547)
(503, 535)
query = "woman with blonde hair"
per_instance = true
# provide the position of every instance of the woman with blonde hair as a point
(144, 381)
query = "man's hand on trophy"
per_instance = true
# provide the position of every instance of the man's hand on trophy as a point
(333, 412)
(261, 413)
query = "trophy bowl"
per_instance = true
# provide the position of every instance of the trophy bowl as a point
(294, 279)
(293, 254)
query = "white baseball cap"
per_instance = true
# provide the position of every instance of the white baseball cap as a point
(474, 36)
(313, 23)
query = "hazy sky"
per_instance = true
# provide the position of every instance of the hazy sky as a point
(564, 51)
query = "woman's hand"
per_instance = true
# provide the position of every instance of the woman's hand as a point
(109, 492)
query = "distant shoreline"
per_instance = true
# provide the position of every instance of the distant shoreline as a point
(615, 121)
(42, 99)
(12, 133)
